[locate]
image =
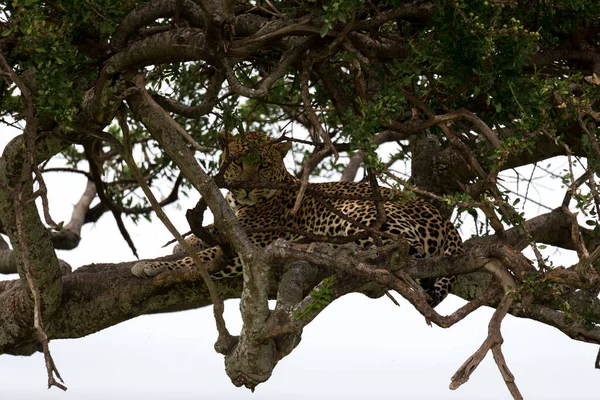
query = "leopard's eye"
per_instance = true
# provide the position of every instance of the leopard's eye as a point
(264, 164)
(238, 162)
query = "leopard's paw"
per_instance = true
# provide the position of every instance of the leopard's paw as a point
(148, 269)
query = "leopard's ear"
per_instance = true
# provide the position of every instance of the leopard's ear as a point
(283, 148)
(223, 138)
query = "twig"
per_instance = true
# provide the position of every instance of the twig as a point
(90, 153)
(309, 111)
(584, 269)
(72, 170)
(209, 100)
(35, 292)
(311, 164)
(489, 134)
(575, 183)
(389, 296)
(591, 137)
(43, 191)
(316, 124)
(29, 132)
(278, 13)
(381, 214)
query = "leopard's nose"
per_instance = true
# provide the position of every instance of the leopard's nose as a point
(249, 173)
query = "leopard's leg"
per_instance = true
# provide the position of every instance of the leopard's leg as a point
(213, 258)
(218, 264)
(194, 241)
(440, 289)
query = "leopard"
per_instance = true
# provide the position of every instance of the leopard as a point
(327, 209)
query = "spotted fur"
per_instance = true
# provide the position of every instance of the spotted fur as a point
(256, 158)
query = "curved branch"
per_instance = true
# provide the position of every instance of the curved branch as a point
(416, 11)
(177, 45)
(150, 12)
(374, 49)
(287, 59)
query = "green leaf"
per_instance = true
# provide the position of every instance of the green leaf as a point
(324, 30)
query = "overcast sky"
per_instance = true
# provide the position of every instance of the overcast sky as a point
(357, 348)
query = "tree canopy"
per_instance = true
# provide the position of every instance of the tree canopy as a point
(132, 94)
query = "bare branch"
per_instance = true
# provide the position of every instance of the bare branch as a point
(493, 340)
(91, 148)
(81, 208)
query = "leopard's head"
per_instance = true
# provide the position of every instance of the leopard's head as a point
(254, 157)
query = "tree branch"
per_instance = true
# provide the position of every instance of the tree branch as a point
(150, 12)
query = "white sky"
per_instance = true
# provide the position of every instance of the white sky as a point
(357, 348)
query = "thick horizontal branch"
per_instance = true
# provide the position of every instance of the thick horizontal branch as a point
(9, 261)
(565, 53)
(96, 297)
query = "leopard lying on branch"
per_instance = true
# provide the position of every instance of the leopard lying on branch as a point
(253, 157)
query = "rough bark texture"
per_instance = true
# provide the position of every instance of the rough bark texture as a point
(356, 78)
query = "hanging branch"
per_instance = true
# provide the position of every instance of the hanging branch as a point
(114, 209)
(38, 323)
(493, 342)
(24, 185)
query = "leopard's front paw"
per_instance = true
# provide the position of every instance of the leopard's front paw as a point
(147, 269)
